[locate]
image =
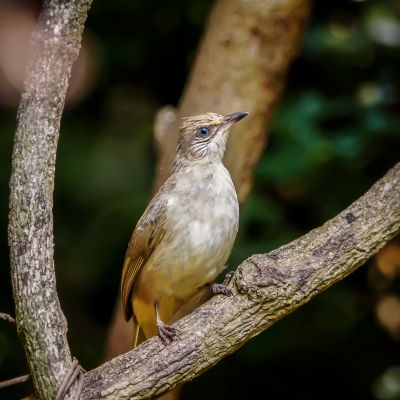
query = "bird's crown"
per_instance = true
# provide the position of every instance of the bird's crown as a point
(208, 119)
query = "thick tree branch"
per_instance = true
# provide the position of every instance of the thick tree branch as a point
(40, 322)
(241, 65)
(266, 288)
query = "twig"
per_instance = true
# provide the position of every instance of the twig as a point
(14, 381)
(7, 317)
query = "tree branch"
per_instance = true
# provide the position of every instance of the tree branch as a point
(40, 322)
(241, 65)
(7, 317)
(14, 381)
(266, 288)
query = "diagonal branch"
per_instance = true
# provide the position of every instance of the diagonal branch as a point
(40, 322)
(266, 288)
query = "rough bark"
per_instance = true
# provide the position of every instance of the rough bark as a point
(40, 322)
(266, 288)
(241, 65)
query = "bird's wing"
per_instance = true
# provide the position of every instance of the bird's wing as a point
(147, 235)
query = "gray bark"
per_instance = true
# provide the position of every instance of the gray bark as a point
(266, 288)
(40, 322)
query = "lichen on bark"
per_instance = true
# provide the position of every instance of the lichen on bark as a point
(41, 324)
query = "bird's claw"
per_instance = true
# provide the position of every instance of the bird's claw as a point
(166, 333)
(219, 288)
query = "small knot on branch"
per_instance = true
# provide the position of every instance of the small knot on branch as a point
(259, 275)
(350, 217)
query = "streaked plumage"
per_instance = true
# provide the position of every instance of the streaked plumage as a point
(185, 236)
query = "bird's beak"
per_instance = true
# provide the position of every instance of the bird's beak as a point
(235, 117)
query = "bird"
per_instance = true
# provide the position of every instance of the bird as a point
(184, 238)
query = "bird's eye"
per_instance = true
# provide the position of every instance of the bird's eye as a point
(203, 131)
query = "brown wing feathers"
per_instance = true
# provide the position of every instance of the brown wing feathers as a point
(147, 235)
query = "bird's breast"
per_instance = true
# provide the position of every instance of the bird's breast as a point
(201, 226)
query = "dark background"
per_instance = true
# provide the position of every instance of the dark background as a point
(335, 133)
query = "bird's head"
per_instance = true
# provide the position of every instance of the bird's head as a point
(204, 137)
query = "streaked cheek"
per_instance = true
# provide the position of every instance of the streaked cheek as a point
(199, 149)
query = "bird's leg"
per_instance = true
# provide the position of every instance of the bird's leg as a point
(166, 332)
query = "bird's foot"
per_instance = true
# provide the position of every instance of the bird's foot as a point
(219, 288)
(166, 333)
